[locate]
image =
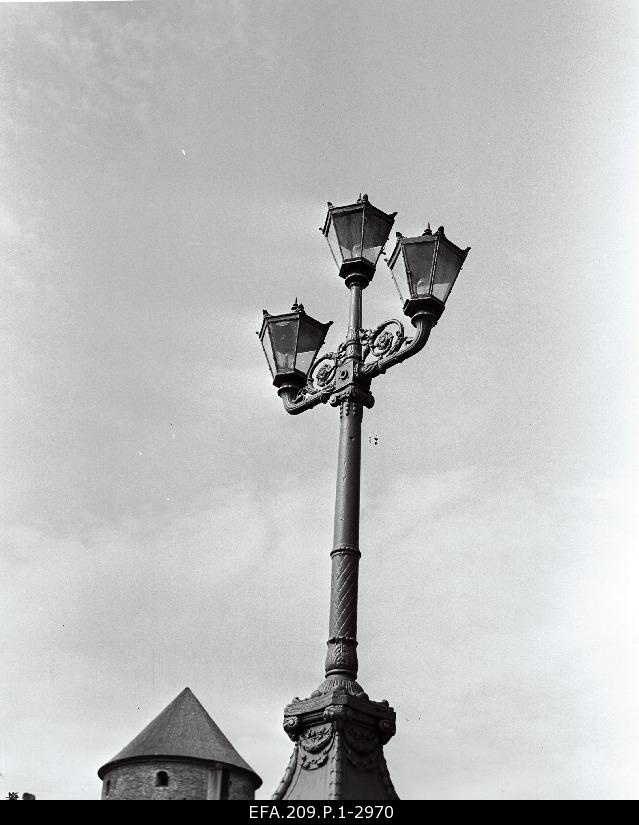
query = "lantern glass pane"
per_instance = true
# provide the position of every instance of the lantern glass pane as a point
(309, 341)
(399, 274)
(268, 351)
(348, 226)
(376, 229)
(333, 244)
(420, 264)
(446, 271)
(284, 339)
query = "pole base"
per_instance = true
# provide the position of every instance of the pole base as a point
(339, 739)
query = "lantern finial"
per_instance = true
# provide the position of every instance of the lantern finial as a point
(428, 230)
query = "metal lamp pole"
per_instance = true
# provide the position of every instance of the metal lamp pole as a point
(339, 733)
(341, 657)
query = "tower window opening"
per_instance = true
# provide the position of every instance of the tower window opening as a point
(161, 779)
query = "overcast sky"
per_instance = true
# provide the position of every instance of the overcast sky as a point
(165, 166)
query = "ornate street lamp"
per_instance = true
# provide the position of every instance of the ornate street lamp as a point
(339, 733)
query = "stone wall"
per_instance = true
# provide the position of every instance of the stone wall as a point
(240, 787)
(138, 780)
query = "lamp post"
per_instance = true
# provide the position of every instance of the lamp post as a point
(338, 732)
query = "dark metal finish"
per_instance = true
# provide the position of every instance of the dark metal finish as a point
(339, 733)
(339, 740)
(291, 342)
(351, 395)
(397, 347)
(428, 265)
(341, 657)
(356, 235)
(431, 305)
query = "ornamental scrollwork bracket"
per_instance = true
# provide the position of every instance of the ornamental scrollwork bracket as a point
(383, 340)
(387, 344)
(381, 343)
(321, 378)
(319, 386)
(381, 348)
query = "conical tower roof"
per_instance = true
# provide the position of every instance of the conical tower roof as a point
(185, 730)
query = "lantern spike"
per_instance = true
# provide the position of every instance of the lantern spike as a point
(398, 235)
(428, 230)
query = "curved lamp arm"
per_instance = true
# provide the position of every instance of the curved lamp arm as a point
(386, 346)
(395, 347)
(297, 400)
(319, 386)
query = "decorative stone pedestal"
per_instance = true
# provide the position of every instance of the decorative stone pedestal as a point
(339, 735)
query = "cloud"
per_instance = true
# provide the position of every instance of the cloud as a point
(175, 601)
(97, 76)
(10, 228)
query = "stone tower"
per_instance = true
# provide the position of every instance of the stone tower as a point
(181, 754)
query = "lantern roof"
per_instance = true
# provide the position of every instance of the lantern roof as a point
(361, 203)
(427, 236)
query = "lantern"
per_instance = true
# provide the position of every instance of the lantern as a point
(291, 342)
(428, 266)
(356, 235)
